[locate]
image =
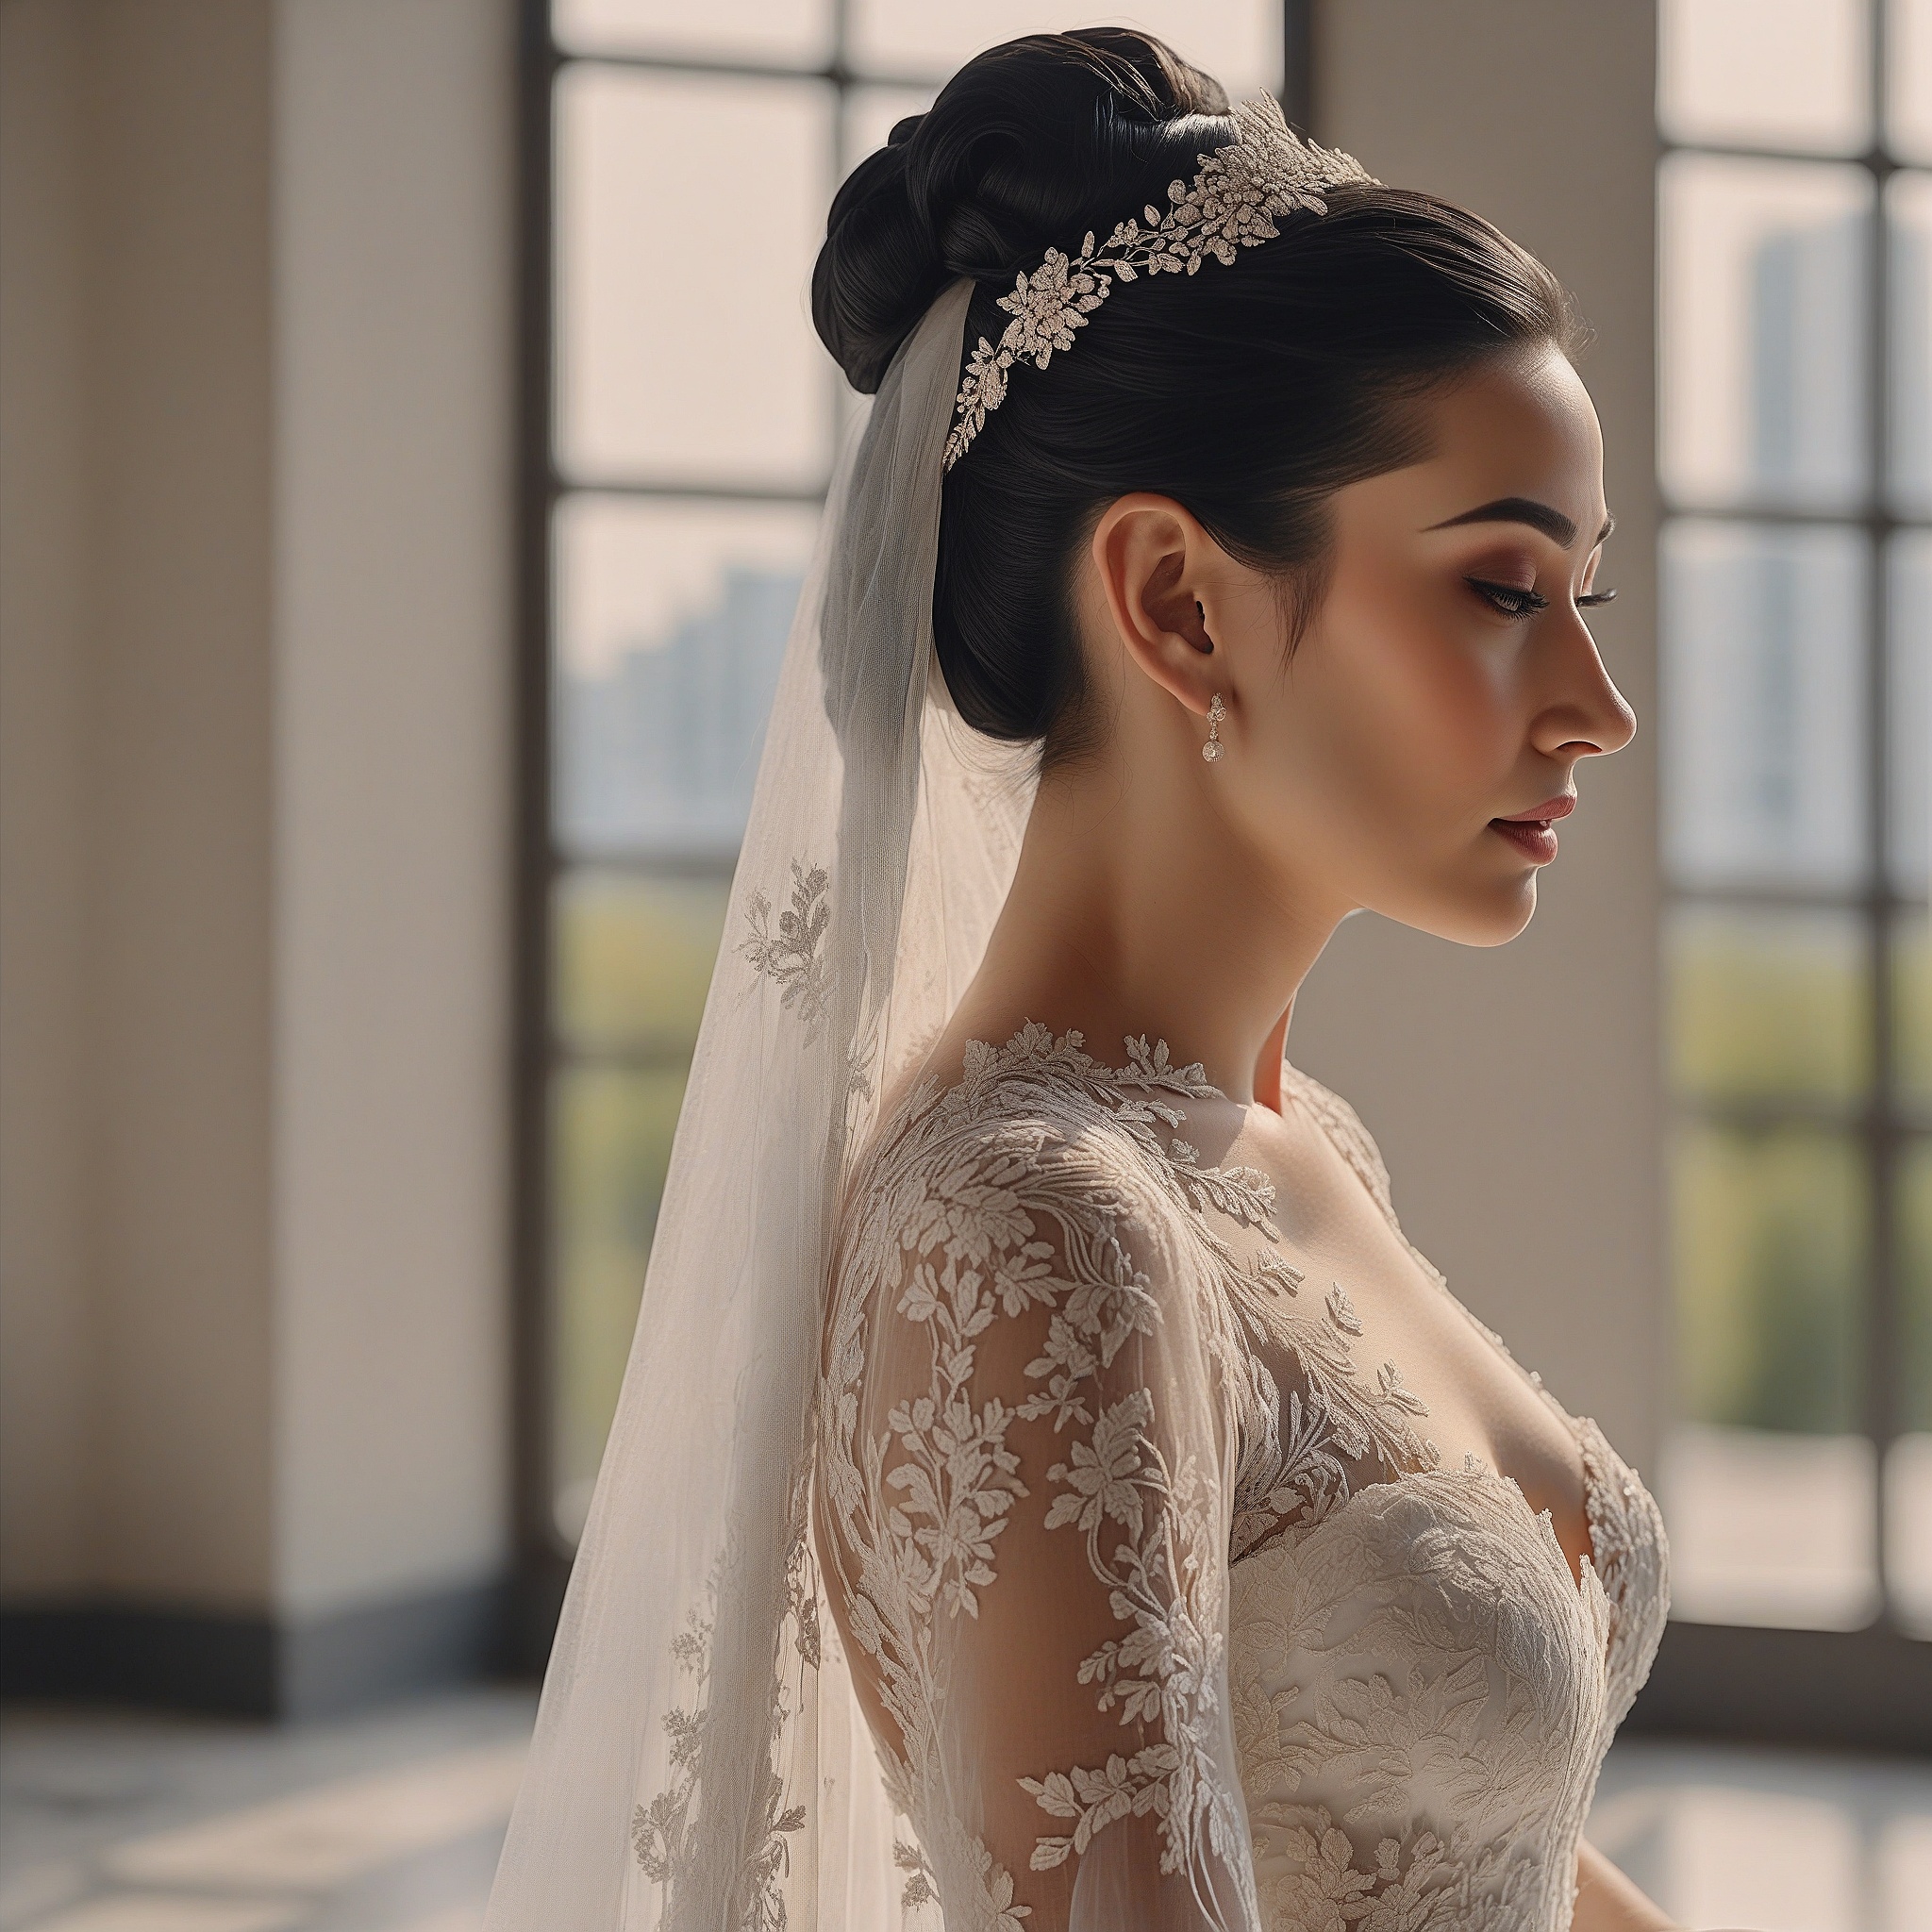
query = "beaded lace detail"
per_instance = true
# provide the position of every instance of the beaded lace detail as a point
(1147, 1616)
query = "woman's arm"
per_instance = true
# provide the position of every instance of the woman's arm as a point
(1028, 1489)
(1608, 1901)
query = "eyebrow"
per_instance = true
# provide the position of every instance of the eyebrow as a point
(1525, 509)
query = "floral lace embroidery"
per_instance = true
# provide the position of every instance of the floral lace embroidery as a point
(664, 1833)
(972, 1197)
(790, 956)
(965, 1183)
(1301, 1464)
(1165, 1672)
(1629, 1550)
(1460, 1701)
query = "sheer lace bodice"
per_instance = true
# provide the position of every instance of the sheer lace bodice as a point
(1161, 1606)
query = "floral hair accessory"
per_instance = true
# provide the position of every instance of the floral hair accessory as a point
(1231, 204)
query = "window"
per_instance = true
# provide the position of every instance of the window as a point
(1795, 451)
(680, 418)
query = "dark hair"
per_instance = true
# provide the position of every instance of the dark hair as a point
(1249, 393)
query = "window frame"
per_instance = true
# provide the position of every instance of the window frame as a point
(1885, 1126)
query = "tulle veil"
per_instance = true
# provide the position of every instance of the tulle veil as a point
(700, 1760)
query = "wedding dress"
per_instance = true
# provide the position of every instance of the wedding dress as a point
(1126, 1595)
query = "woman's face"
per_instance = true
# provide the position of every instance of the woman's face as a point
(1416, 752)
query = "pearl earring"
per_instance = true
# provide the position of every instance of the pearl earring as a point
(1216, 712)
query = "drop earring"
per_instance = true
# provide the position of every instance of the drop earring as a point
(1216, 712)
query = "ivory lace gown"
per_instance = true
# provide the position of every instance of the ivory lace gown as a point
(1222, 1639)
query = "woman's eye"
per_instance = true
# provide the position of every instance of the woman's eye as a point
(1591, 597)
(1512, 600)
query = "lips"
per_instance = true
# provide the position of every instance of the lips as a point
(1533, 832)
(1559, 806)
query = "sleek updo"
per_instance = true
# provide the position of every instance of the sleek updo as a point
(1248, 392)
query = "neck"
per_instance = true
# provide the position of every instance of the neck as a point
(1136, 911)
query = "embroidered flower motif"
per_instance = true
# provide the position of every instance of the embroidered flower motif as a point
(1101, 1479)
(1326, 1892)
(665, 1834)
(790, 956)
(1231, 204)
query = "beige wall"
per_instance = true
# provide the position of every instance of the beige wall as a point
(176, 767)
(1515, 1092)
(394, 184)
(256, 292)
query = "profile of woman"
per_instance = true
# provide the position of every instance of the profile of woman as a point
(1049, 1493)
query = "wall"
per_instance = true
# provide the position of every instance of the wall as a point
(393, 186)
(44, 1487)
(1515, 1091)
(255, 287)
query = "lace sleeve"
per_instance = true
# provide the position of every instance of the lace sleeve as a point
(1029, 1465)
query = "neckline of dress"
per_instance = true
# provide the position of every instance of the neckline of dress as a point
(1481, 1472)
(1152, 1065)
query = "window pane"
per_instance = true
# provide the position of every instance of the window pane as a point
(611, 1136)
(1767, 1490)
(1909, 207)
(1908, 597)
(1908, 76)
(1769, 1250)
(633, 959)
(1238, 41)
(1915, 1284)
(1761, 376)
(1911, 995)
(789, 32)
(1769, 1528)
(1784, 74)
(1909, 1467)
(1768, 1005)
(672, 621)
(683, 353)
(1763, 695)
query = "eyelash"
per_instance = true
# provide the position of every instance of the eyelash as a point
(1513, 600)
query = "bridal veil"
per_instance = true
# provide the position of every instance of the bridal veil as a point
(700, 1760)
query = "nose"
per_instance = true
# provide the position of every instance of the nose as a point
(1584, 714)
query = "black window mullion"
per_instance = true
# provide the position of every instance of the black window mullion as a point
(1884, 1324)
(540, 1576)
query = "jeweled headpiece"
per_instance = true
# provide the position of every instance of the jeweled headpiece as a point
(1267, 170)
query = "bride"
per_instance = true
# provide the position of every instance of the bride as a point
(1049, 1492)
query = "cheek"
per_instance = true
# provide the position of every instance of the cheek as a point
(1413, 700)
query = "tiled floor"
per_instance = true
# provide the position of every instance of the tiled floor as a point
(114, 1823)
(392, 1822)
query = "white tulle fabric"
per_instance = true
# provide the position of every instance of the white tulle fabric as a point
(699, 1761)
(996, 1533)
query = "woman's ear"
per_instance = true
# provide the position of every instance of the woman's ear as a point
(1152, 558)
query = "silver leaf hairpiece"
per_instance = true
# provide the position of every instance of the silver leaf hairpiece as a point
(1231, 204)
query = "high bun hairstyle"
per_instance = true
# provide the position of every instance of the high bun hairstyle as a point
(1249, 393)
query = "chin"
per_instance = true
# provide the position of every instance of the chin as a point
(1489, 914)
(1505, 920)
